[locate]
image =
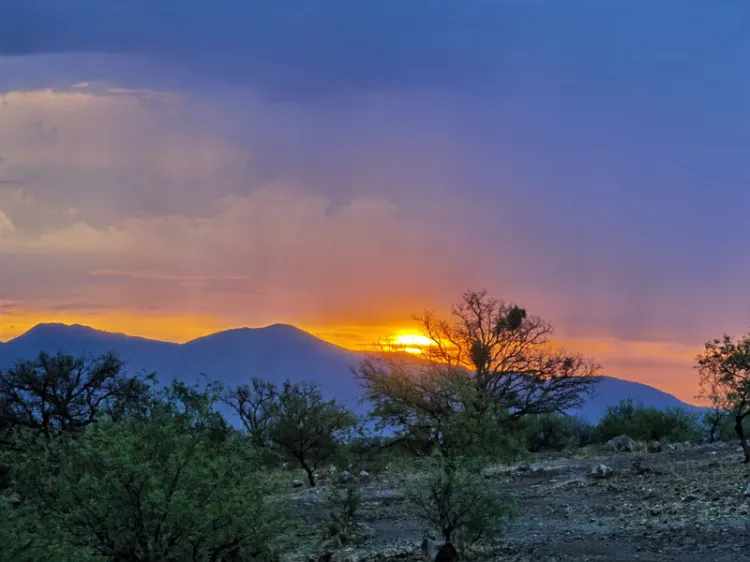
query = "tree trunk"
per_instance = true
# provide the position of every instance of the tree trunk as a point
(714, 429)
(310, 474)
(741, 434)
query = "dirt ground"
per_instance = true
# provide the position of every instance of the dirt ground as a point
(682, 505)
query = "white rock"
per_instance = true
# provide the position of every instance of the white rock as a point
(601, 471)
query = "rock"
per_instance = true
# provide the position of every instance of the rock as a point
(347, 555)
(622, 444)
(345, 477)
(364, 474)
(537, 468)
(602, 471)
(524, 467)
(747, 490)
(654, 447)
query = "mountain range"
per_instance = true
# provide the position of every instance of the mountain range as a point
(273, 353)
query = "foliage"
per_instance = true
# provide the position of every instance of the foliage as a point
(454, 499)
(169, 483)
(343, 505)
(649, 424)
(724, 368)
(555, 432)
(308, 428)
(62, 394)
(489, 367)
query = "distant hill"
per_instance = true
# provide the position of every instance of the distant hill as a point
(273, 353)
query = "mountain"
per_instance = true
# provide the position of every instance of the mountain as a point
(273, 353)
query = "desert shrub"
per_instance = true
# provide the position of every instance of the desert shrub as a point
(649, 424)
(342, 511)
(454, 500)
(171, 482)
(555, 432)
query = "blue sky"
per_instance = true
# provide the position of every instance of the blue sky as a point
(348, 163)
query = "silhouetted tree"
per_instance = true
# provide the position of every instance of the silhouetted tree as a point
(63, 394)
(491, 360)
(255, 405)
(724, 368)
(308, 428)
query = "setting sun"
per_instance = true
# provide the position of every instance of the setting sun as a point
(409, 342)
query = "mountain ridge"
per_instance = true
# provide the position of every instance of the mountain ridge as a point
(274, 352)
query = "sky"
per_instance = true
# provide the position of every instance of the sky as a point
(170, 169)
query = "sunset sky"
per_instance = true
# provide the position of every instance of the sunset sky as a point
(174, 168)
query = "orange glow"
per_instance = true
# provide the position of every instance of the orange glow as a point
(660, 364)
(176, 328)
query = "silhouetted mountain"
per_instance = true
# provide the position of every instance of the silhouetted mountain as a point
(273, 353)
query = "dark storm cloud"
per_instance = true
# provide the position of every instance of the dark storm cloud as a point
(331, 47)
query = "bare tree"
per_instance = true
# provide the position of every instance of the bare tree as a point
(255, 404)
(489, 356)
(724, 368)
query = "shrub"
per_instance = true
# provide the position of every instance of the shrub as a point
(343, 505)
(649, 424)
(170, 483)
(453, 498)
(556, 432)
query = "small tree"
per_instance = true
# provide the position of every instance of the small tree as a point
(308, 428)
(713, 420)
(255, 405)
(343, 505)
(724, 368)
(454, 499)
(62, 394)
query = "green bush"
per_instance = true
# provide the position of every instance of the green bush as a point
(171, 483)
(649, 424)
(555, 432)
(454, 499)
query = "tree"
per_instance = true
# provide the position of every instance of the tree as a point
(255, 405)
(308, 428)
(724, 369)
(491, 358)
(62, 394)
(172, 483)
(713, 420)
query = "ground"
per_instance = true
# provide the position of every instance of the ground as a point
(682, 505)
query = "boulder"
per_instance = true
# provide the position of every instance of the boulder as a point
(345, 477)
(524, 467)
(602, 471)
(654, 447)
(622, 444)
(298, 484)
(364, 475)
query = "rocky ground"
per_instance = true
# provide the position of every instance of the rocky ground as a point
(684, 504)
